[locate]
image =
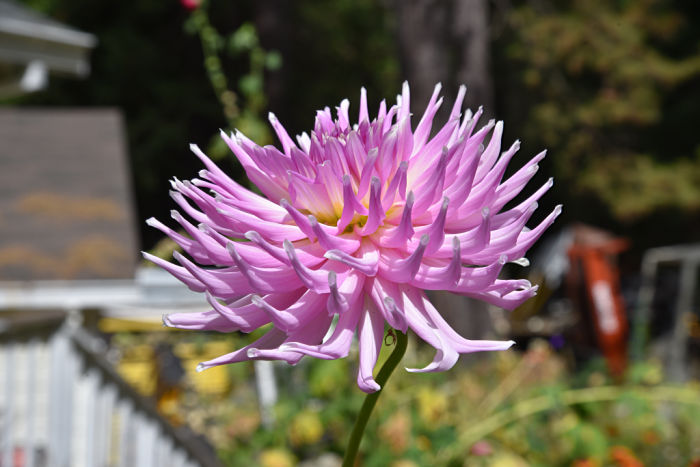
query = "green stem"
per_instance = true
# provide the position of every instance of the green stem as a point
(371, 399)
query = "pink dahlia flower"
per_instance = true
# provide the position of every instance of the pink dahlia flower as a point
(357, 220)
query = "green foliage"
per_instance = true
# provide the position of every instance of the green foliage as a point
(243, 114)
(615, 87)
(436, 419)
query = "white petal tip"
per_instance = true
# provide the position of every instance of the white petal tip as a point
(257, 300)
(166, 321)
(332, 279)
(252, 235)
(331, 255)
(201, 367)
(253, 353)
(370, 386)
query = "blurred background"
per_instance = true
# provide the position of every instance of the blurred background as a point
(98, 104)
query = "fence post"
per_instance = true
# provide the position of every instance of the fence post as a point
(8, 443)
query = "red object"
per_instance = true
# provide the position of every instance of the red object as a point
(190, 4)
(593, 253)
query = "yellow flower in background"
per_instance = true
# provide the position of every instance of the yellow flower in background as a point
(306, 428)
(404, 463)
(432, 405)
(277, 458)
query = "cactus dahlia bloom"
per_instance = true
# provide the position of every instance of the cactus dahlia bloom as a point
(357, 220)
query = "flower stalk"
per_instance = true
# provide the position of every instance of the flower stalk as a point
(371, 398)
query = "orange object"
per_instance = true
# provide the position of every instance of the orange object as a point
(593, 251)
(624, 457)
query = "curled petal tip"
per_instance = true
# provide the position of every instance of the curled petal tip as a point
(252, 235)
(370, 385)
(331, 255)
(231, 248)
(558, 209)
(424, 239)
(410, 199)
(166, 321)
(151, 221)
(201, 367)
(257, 300)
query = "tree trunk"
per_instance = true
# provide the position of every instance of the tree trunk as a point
(448, 41)
(471, 34)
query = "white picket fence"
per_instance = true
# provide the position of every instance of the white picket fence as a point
(63, 405)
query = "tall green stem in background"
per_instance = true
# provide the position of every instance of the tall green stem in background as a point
(371, 399)
(243, 102)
